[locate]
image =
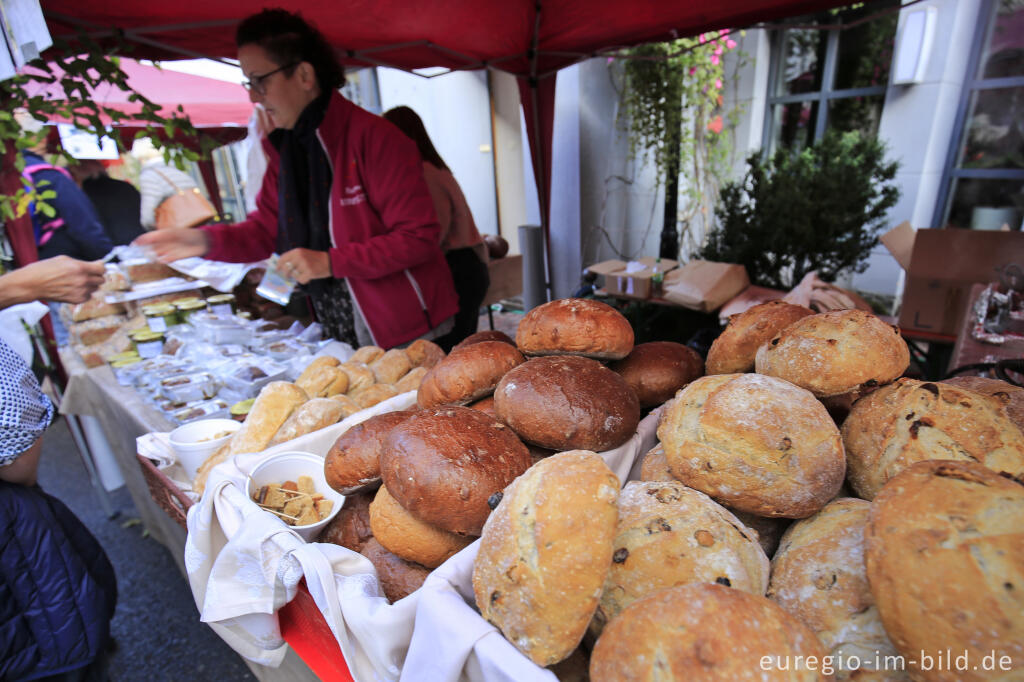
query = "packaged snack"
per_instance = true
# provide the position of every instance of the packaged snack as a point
(189, 388)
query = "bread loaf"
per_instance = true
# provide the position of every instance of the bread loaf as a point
(1011, 396)
(368, 396)
(412, 380)
(835, 352)
(409, 538)
(359, 375)
(324, 381)
(566, 403)
(734, 350)
(667, 535)
(348, 406)
(390, 367)
(314, 368)
(468, 374)
(398, 578)
(353, 462)
(656, 370)
(706, 632)
(755, 443)
(575, 326)
(311, 416)
(423, 353)
(944, 553)
(545, 552)
(350, 528)
(486, 406)
(366, 354)
(442, 465)
(485, 335)
(910, 421)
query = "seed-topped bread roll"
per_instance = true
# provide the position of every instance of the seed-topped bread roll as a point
(485, 335)
(442, 465)
(353, 462)
(734, 350)
(705, 631)
(409, 538)
(423, 353)
(755, 443)
(566, 402)
(350, 528)
(818, 576)
(398, 578)
(669, 535)
(545, 553)
(1011, 396)
(391, 366)
(575, 326)
(944, 552)
(910, 421)
(468, 374)
(836, 352)
(656, 370)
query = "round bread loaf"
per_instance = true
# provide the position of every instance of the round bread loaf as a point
(468, 374)
(348, 406)
(755, 443)
(366, 354)
(567, 403)
(442, 465)
(368, 396)
(398, 578)
(656, 370)
(412, 380)
(409, 538)
(350, 527)
(545, 552)
(734, 350)
(668, 535)
(910, 421)
(307, 381)
(391, 366)
(705, 632)
(944, 552)
(575, 326)
(818, 576)
(325, 380)
(836, 352)
(359, 375)
(486, 406)
(485, 335)
(423, 353)
(353, 462)
(1012, 396)
(654, 465)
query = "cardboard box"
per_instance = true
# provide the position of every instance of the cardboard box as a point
(944, 265)
(632, 279)
(705, 286)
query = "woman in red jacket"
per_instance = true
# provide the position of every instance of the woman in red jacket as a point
(343, 199)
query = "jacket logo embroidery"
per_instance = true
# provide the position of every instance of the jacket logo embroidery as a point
(352, 195)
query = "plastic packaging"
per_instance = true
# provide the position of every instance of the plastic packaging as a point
(221, 305)
(187, 388)
(275, 285)
(247, 377)
(148, 344)
(222, 330)
(160, 316)
(201, 410)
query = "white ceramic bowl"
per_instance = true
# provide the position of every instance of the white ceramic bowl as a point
(194, 442)
(288, 466)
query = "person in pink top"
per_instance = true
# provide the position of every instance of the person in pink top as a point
(343, 200)
(462, 244)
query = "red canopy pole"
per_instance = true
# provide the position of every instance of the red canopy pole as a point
(210, 180)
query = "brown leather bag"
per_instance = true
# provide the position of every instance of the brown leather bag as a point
(184, 208)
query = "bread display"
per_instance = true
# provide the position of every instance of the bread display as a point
(368, 396)
(311, 416)
(351, 527)
(423, 353)
(443, 465)
(359, 375)
(545, 553)
(567, 402)
(654, 466)
(910, 421)
(944, 553)
(366, 354)
(485, 335)
(324, 381)
(398, 578)
(409, 538)
(1011, 396)
(836, 352)
(755, 443)
(705, 632)
(313, 368)
(412, 380)
(818, 576)
(486, 405)
(348, 406)
(575, 326)
(734, 350)
(668, 535)
(391, 366)
(656, 370)
(353, 462)
(468, 374)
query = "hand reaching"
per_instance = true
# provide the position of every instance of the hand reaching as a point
(55, 279)
(172, 245)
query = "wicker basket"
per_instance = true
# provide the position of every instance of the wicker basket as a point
(163, 490)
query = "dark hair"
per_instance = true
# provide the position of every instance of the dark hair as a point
(290, 39)
(408, 121)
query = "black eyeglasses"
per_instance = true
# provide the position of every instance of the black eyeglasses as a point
(257, 83)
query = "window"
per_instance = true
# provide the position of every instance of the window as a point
(983, 183)
(829, 78)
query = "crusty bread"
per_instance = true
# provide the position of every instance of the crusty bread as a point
(486, 406)
(1011, 396)
(656, 370)
(468, 374)
(575, 326)
(359, 375)
(313, 368)
(350, 527)
(835, 352)
(944, 552)
(755, 443)
(391, 366)
(368, 396)
(348, 406)
(412, 380)
(409, 538)
(734, 350)
(398, 578)
(443, 465)
(909, 421)
(818, 576)
(545, 553)
(667, 535)
(366, 354)
(566, 402)
(423, 353)
(485, 335)
(324, 381)
(353, 462)
(705, 632)
(340, 384)
(311, 416)
(654, 465)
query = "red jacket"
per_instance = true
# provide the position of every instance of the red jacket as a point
(384, 230)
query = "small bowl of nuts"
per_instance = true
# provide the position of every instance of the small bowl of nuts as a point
(291, 486)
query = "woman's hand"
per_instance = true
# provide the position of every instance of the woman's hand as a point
(304, 265)
(55, 279)
(175, 244)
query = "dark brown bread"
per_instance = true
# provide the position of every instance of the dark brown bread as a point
(409, 538)
(656, 370)
(468, 374)
(566, 402)
(485, 335)
(351, 527)
(443, 465)
(398, 578)
(486, 406)
(575, 326)
(353, 462)
(734, 350)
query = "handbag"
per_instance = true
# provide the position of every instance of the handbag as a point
(184, 208)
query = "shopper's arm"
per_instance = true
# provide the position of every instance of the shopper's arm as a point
(25, 469)
(55, 279)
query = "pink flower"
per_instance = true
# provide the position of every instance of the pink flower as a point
(702, 38)
(718, 50)
(714, 59)
(731, 44)
(718, 83)
(724, 32)
(693, 70)
(610, 60)
(716, 124)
